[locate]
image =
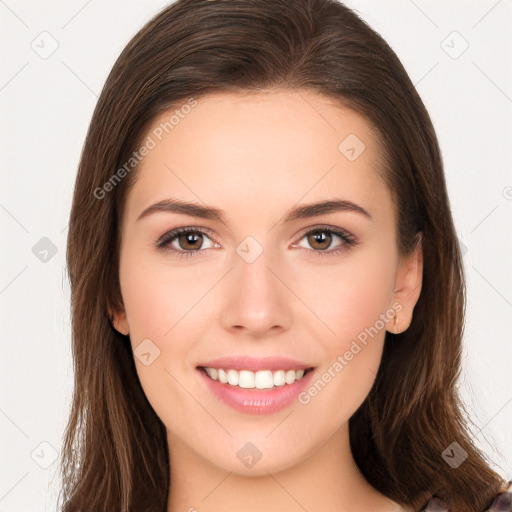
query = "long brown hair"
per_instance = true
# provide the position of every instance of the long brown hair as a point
(115, 454)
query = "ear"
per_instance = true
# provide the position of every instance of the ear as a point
(119, 321)
(408, 283)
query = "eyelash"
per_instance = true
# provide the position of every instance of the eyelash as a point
(164, 241)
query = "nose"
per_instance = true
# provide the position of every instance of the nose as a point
(257, 299)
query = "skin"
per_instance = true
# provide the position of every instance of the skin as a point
(256, 156)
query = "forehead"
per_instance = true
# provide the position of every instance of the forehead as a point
(262, 149)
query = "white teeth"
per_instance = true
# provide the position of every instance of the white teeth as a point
(221, 374)
(262, 379)
(212, 372)
(246, 379)
(289, 377)
(279, 378)
(233, 377)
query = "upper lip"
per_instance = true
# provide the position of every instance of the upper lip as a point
(256, 363)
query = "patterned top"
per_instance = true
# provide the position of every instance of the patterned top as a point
(502, 503)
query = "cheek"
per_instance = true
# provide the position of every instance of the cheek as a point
(158, 298)
(159, 307)
(353, 301)
(357, 305)
(349, 297)
(163, 304)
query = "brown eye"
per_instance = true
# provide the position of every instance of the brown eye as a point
(320, 240)
(186, 242)
(191, 240)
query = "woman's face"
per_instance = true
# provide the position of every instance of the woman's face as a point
(254, 282)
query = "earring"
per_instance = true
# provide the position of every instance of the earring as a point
(395, 324)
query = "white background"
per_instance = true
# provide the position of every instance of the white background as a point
(46, 106)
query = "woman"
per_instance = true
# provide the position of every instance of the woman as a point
(267, 289)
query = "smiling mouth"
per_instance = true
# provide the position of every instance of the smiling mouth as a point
(261, 379)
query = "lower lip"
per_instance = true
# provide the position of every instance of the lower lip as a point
(257, 401)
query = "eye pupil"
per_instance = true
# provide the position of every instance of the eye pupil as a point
(191, 237)
(320, 237)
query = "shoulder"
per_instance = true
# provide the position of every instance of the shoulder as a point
(501, 503)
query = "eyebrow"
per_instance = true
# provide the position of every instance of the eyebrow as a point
(209, 212)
